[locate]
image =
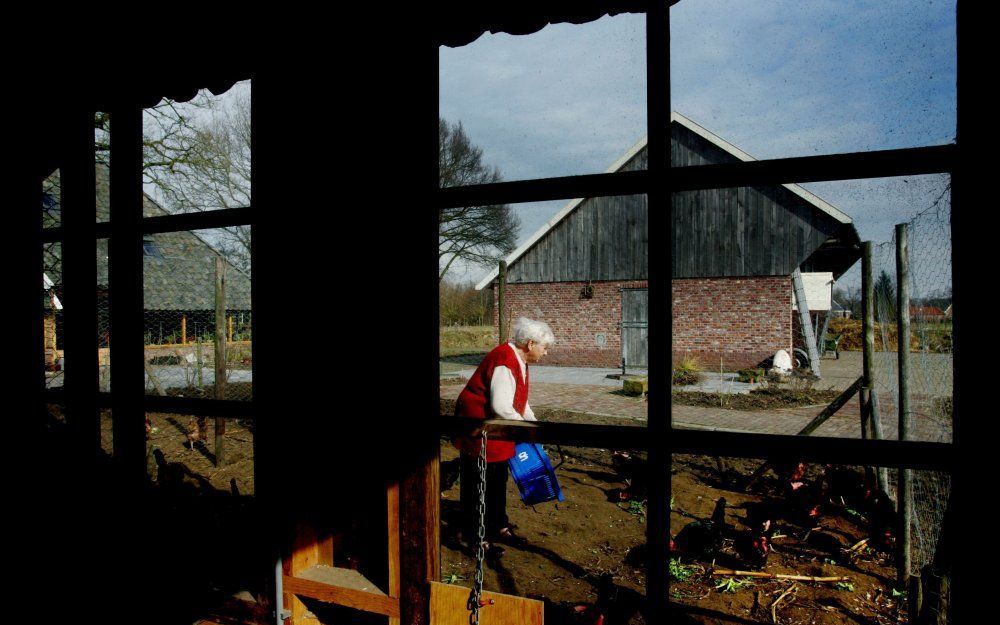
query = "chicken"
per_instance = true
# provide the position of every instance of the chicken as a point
(632, 471)
(703, 538)
(193, 433)
(754, 545)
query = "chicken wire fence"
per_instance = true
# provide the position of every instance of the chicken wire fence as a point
(192, 350)
(931, 355)
(184, 281)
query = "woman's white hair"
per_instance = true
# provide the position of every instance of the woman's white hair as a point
(528, 329)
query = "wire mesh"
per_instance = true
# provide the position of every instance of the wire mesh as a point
(931, 368)
(185, 282)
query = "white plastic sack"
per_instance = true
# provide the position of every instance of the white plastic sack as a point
(782, 362)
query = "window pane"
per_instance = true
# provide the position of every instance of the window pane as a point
(186, 276)
(182, 455)
(584, 555)
(196, 154)
(580, 268)
(52, 200)
(815, 520)
(52, 313)
(781, 79)
(735, 307)
(568, 99)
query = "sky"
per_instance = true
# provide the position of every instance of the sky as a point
(774, 78)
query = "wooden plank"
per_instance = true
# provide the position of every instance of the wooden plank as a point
(339, 586)
(448, 607)
(420, 526)
(392, 523)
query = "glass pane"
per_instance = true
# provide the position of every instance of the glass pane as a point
(52, 200)
(579, 267)
(107, 432)
(568, 99)
(103, 317)
(182, 290)
(182, 454)
(52, 317)
(782, 79)
(834, 522)
(751, 360)
(196, 154)
(102, 156)
(583, 556)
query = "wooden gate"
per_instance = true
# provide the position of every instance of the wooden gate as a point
(635, 328)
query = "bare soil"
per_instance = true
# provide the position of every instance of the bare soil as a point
(567, 548)
(757, 399)
(584, 557)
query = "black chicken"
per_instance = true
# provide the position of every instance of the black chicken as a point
(754, 545)
(703, 538)
(632, 471)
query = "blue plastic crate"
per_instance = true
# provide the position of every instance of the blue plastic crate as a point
(534, 475)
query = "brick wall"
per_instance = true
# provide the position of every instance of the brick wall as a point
(579, 323)
(741, 320)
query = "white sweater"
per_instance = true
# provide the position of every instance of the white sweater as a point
(502, 388)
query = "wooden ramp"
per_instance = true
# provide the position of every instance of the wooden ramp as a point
(448, 607)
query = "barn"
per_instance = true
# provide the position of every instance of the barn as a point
(178, 279)
(734, 251)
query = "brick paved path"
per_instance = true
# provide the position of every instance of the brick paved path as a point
(845, 423)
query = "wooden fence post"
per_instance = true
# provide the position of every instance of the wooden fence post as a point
(184, 329)
(502, 302)
(220, 355)
(905, 493)
(871, 421)
(229, 328)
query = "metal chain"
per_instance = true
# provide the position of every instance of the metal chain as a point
(475, 597)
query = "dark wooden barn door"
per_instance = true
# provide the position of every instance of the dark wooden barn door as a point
(635, 328)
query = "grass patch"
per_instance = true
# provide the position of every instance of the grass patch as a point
(687, 371)
(456, 339)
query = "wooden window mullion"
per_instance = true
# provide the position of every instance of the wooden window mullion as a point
(125, 294)
(79, 272)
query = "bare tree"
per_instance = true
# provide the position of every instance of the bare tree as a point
(199, 159)
(480, 235)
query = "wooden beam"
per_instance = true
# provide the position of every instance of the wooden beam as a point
(849, 166)
(905, 491)
(341, 586)
(834, 406)
(203, 220)
(392, 523)
(220, 357)
(887, 453)
(125, 300)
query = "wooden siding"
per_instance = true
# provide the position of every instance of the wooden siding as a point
(715, 232)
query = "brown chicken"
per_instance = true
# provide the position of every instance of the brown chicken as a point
(193, 433)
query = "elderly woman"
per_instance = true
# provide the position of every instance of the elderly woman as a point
(498, 389)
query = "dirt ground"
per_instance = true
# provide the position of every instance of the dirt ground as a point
(568, 547)
(584, 557)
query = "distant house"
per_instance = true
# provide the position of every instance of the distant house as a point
(733, 253)
(178, 276)
(928, 313)
(838, 311)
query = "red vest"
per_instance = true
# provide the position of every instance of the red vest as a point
(474, 401)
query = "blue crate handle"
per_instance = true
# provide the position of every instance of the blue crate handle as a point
(533, 474)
